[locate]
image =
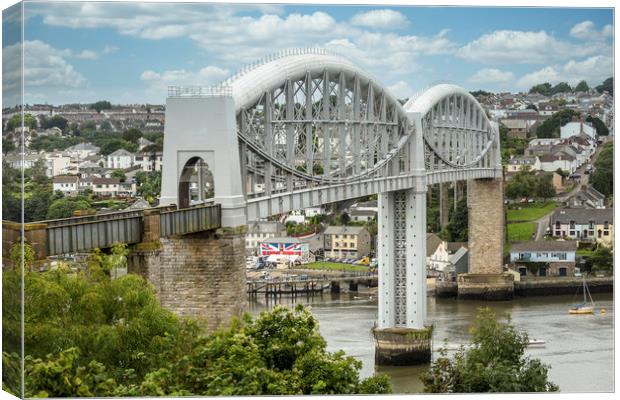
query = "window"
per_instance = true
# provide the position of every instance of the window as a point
(591, 225)
(562, 256)
(606, 225)
(572, 233)
(599, 233)
(572, 225)
(606, 233)
(557, 233)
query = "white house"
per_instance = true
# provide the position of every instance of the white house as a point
(516, 164)
(120, 159)
(82, 150)
(149, 161)
(551, 162)
(313, 211)
(67, 184)
(58, 163)
(577, 127)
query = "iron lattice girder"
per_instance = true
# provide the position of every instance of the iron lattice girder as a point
(326, 127)
(352, 133)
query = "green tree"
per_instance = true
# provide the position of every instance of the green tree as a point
(496, 362)
(101, 105)
(345, 218)
(582, 87)
(603, 176)
(542, 88)
(64, 207)
(119, 174)
(132, 135)
(281, 352)
(16, 121)
(457, 228)
(115, 144)
(561, 87)
(7, 145)
(149, 185)
(55, 121)
(607, 85)
(602, 259)
(551, 126)
(599, 125)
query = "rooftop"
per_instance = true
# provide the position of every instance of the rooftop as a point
(338, 230)
(545, 245)
(583, 215)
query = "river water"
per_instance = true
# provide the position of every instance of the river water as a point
(579, 348)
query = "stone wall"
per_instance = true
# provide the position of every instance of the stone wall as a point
(486, 226)
(200, 275)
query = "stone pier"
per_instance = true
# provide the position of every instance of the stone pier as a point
(403, 346)
(485, 279)
(199, 275)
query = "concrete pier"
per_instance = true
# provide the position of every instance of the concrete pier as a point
(403, 346)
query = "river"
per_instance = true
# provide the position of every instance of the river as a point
(579, 348)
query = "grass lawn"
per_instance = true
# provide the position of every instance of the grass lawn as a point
(520, 232)
(584, 252)
(530, 212)
(332, 266)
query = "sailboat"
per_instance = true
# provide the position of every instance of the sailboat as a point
(583, 307)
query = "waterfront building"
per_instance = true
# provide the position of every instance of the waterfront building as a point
(544, 258)
(342, 242)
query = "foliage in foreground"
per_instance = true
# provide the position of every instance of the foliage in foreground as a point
(90, 335)
(495, 363)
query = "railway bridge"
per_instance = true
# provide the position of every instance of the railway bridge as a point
(306, 127)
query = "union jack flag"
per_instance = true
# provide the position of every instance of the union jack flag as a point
(269, 248)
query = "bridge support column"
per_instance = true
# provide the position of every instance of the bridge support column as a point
(200, 275)
(485, 279)
(401, 336)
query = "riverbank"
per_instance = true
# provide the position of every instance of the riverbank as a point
(541, 286)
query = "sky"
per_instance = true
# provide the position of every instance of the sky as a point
(130, 52)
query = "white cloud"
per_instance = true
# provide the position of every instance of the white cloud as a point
(45, 71)
(593, 70)
(586, 31)
(521, 47)
(232, 36)
(380, 19)
(158, 82)
(546, 74)
(401, 90)
(87, 55)
(492, 76)
(109, 49)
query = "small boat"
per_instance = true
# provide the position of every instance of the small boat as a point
(583, 307)
(535, 343)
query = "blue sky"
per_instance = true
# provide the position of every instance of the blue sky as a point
(130, 52)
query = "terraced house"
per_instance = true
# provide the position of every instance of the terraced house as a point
(584, 224)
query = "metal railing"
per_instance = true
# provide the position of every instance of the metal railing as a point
(95, 217)
(190, 220)
(182, 91)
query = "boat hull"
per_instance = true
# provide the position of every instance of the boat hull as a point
(583, 310)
